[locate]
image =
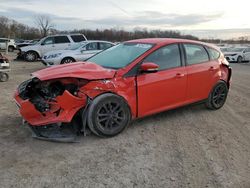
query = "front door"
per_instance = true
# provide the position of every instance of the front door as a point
(166, 88)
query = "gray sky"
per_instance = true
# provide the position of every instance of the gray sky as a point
(223, 19)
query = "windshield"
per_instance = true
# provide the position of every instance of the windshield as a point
(76, 46)
(120, 55)
(236, 49)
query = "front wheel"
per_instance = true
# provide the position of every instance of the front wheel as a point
(239, 60)
(31, 56)
(67, 60)
(4, 77)
(108, 115)
(218, 96)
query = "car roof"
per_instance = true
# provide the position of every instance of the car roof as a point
(165, 41)
(97, 41)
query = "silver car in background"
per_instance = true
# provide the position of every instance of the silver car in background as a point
(78, 52)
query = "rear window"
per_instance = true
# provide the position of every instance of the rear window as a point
(214, 54)
(77, 38)
(104, 46)
(61, 39)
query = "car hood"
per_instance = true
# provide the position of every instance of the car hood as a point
(30, 47)
(85, 70)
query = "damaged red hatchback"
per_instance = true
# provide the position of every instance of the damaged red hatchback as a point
(131, 80)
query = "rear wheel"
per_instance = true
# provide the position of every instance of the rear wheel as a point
(108, 115)
(11, 49)
(4, 77)
(67, 60)
(31, 56)
(218, 96)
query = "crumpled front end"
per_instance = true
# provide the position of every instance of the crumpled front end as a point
(48, 102)
(51, 102)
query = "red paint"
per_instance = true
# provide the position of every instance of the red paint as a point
(145, 67)
(145, 94)
(83, 70)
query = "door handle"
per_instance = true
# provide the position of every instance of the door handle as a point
(179, 75)
(211, 69)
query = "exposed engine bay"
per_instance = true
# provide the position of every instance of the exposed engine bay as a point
(43, 94)
(53, 101)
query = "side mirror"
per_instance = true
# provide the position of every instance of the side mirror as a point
(149, 67)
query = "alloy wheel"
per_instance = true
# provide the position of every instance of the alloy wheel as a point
(110, 116)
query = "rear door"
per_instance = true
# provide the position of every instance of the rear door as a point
(163, 89)
(61, 42)
(202, 72)
(89, 50)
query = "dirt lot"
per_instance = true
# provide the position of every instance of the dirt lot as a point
(187, 147)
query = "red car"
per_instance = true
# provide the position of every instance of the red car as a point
(130, 80)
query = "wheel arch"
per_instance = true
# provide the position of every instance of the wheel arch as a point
(66, 58)
(37, 53)
(117, 94)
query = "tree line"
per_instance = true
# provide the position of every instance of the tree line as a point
(12, 29)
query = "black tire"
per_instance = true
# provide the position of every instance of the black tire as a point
(31, 56)
(239, 59)
(108, 115)
(67, 60)
(11, 48)
(218, 96)
(4, 77)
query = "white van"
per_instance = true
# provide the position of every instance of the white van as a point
(50, 43)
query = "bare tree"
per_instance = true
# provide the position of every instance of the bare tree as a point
(44, 23)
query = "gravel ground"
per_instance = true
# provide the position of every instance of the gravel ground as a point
(186, 147)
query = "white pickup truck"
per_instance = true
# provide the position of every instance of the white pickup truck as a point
(10, 44)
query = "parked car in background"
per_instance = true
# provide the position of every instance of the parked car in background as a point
(127, 81)
(238, 54)
(78, 52)
(50, 43)
(11, 46)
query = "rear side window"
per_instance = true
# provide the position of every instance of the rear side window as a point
(195, 54)
(214, 54)
(92, 46)
(104, 45)
(77, 38)
(61, 39)
(166, 57)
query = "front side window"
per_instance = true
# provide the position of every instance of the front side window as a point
(214, 54)
(61, 39)
(49, 40)
(166, 57)
(247, 50)
(195, 54)
(120, 55)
